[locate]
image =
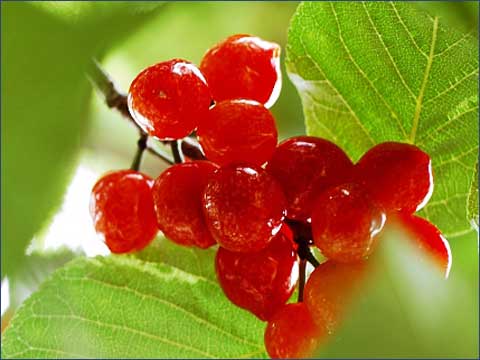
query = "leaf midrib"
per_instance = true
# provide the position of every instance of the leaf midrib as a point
(418, 106)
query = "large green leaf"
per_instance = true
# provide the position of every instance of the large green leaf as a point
(373, 72)
(44, 112)
(123, 307)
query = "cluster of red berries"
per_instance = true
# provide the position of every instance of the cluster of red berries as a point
(264, 205)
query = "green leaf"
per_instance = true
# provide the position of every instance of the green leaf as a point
(45, 106)
(408, 311)
(472, 210)
(123, 307)
(372, 72)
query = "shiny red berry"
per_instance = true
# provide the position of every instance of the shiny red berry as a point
(177, 194)
(345, 223)
(305, 166)
(168, 99)
(244, 207)
(121, 206)
(292, 333)
(262, 281)
(397, 175)
(244, 67)
(330, 290)
(238, 131)
(426, 237)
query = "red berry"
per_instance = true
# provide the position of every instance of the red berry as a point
(292, 333)
(238, 131)
(305, 166)
(244, 67)
(427, 238)
(168, 99)
(330, 289)
(244, 207)
(121, 206)
(398, 176)
(262, 281)
(177, 194)
(345, 223)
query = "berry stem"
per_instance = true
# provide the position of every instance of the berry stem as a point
(305, 253)
(176, 152)
(141, 146)
(191, 149)
(160, 155)
(303, 237)
(301, 284)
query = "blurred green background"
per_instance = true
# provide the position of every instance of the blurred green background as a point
(58, 136)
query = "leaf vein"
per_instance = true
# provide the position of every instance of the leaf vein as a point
(124, 328)
(375, 29)
(407, 30)
(418, 106)
(452, 86)
(360, 70)
(143, 295)
(354, 115)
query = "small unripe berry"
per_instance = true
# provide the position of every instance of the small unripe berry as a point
(330, 290)
(426, 237)
(398, 176)
(177, 195)
(244, 207)
(346, 222)
(305, 166)
(121, 206)
(167, 99)
(262, 281)
(235, 131)
(292, 333)
(244, 67)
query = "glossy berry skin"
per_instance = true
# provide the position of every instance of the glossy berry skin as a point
(330, 290)
(398, 176)
(427, 238)
(292, 333)
(121, 206)
(168, 99)
(305, 166)
(345, 223)
(238, 131)
(177, 194)
(244, 208)
(260, 282)
(244, 67)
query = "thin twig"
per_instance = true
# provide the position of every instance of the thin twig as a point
(311, 259)
(159, 154)
(141, 146)
(305, 253)
(114, 98)
(191, 149)
(176, 152)
(301, 279)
